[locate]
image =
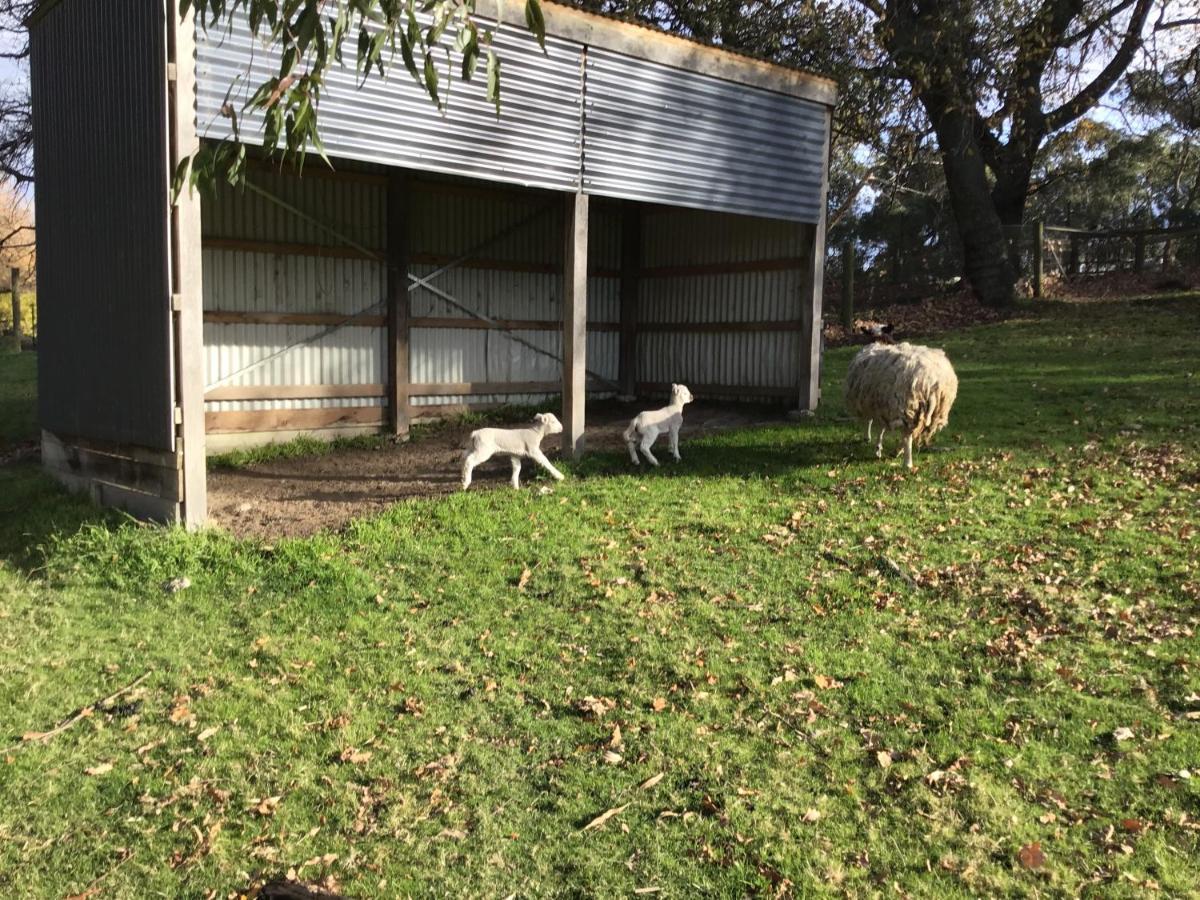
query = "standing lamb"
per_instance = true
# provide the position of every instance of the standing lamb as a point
(516, 443)
(647, 426)
(902, 386)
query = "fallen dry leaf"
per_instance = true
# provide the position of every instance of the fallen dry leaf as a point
(1133, 825)
(652, 781)
(1122, 734)
(526, 574)
(355, 757)
(207, 733)
(811, 816)
(659, 704)
(612, 757)
(1031, 856)
(884, 759)
(102, 769)
(605, 816)
(595, 707)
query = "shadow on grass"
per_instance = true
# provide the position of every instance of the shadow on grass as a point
(36, 512)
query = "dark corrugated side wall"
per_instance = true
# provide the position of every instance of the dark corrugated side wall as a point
(104, 317)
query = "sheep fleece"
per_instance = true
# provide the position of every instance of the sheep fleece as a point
(902, 386)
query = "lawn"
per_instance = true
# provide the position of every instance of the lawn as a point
(779, 667)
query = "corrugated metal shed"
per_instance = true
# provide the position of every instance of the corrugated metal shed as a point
(662, 135)
(104, 366)
(535, 142)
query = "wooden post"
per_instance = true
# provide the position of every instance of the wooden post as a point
(849, 265)
(1039, 262)
(16, 307)
(1139, 253)
(631, 265)
(813, 292)
(1073, 257)
(574, 321)
(187, 271)
(399, 305)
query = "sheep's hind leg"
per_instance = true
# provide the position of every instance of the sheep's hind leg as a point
(470, 461)
(870, 422)
(516, 472)
(632, 445)
(908, 442)
(879, 443)
(648, 439)
(675, 444)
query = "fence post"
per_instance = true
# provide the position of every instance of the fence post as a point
(1039, 243)
(848, 266)
(16, 307)
(1139, 253)
(1073, 258)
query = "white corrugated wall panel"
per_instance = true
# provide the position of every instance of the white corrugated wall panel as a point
(769, 358)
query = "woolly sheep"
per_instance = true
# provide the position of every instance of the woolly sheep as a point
(516, 443)
(646, 427)
(901, 386)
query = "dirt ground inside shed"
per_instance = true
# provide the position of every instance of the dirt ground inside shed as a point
(301, 496)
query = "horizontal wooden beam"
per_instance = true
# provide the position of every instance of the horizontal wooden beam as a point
(238, 317)
(735, 267)
(292, 419)
(506, 324)
(718, 327)
(293, 392)
(140, 470)
(719, 390)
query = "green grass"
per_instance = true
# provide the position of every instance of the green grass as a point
(763, 622)
(18, 397)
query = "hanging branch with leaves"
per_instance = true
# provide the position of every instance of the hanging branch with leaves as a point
(309, 37)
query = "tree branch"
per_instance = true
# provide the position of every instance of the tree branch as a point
(1102, 83)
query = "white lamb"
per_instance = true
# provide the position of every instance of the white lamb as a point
(515, 443)
(647, 426)
(901, 386)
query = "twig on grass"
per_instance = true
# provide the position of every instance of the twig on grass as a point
(45, 736)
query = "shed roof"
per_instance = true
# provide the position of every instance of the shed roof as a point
(643, 41)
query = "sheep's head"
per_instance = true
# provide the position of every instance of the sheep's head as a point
(680, 394)
(549, 423)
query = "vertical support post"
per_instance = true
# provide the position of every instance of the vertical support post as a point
(812, 293)
(399, 306)
(187, 271)
(1039, 259)
(574, 337)
(16, 307)
(1073, 256)
(631, 270)
(1139, 253)
(849, 265)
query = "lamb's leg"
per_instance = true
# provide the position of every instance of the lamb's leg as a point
(516, 473)
(870, 422)
(633, 452)
(908, 451)
(470, 461)
(675, 443)
(648, 439)
(879, 443)
(540, 458)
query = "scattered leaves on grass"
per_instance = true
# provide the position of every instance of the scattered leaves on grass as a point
(659, 704)
(884, 759)
(652, 781)
(605, 816)
(101, 769)
(595, 707)
(1031, 856)
(811, 816)
(1122, 734)
(207, 733)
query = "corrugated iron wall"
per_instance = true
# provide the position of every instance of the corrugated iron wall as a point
(535, 142)
(720, 303)
(104, 327)
(662, 135)
(278, 290)
(262, 261)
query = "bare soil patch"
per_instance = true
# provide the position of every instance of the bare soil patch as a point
(301, 496)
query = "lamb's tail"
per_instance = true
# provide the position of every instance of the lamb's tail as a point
(631, 431)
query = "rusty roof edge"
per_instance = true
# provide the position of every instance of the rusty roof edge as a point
(654, 45)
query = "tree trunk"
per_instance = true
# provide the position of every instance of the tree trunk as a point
(986, 259)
